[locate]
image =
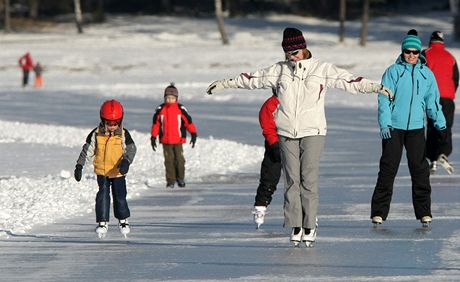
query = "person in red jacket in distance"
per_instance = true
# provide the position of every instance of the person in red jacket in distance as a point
(26, 64)
(445, 69)
(171, 122)
(270, 170)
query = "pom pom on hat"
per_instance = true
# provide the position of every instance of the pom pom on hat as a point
(412, 41)
(171, 90)
(293, 39)
(437, 36)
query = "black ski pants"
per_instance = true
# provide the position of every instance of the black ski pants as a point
(434, 146)
(414, 142)
(120, 205)
(270, 173)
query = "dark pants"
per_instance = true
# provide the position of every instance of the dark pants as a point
(270, 173)
(414, 142)
(120, 205)
(434, 146)
(174, 162)
(25, 77)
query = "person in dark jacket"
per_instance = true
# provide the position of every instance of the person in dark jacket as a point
(402, 123)
(171, 122)
(445, 69)
(270, 171)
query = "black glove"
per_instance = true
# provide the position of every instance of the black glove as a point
(193, 140)
(78, 171)
(153, 141)
(124, 166)
(442, 134)
(275, 152)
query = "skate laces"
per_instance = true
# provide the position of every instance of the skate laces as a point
(123, 223)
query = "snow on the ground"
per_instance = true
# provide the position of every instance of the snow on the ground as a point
(25, 201)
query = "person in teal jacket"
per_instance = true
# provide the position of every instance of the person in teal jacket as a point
(402, 121)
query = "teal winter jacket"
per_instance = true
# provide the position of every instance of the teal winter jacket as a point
(416, 95)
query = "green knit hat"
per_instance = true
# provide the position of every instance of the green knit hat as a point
(411, 41)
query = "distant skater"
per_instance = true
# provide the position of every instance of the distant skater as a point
(38, 75)
(26, 64)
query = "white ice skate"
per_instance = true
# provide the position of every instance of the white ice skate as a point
(124, 227)
(259, 215)
(433, 167)
(296, 235)
(376, 220)
(101, 229)
(444, 162)
(309, 235)
(426, 221)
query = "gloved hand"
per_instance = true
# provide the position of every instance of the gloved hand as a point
(275, 152)
(385, 133)
(216, 86)
(379, 88)
(153, 142)
(124, 166)
(78, 172)
(193, 140)
(442, 135)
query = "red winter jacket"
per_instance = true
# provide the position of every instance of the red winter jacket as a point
(444, 67)
(26, 62)
(170, 122)
(267, 119)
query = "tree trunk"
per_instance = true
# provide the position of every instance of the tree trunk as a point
(78, 16)
(220, 21)
(7, 16)
(342, 16)
(99, 12)
(33, 8)
(457, 22)
(365, 22)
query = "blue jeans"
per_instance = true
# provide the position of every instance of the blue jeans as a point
(120, 205)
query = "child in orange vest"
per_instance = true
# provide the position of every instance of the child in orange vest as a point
(113, 150)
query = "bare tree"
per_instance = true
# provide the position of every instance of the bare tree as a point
(456, 21)
(220, 21)
(342, 15)
(78, 16)
(7, 16)
(365, 23)
(33, 8)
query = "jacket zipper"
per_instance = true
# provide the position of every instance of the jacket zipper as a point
(411, 97)
(105, 152)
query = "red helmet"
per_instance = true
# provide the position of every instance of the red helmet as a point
(112, 110)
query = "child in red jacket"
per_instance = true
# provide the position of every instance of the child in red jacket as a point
(171, 122)
(270, 171)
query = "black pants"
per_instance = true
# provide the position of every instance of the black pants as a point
(25, 77)
(414, 142)
(270, 173)
(434, 147)
(120, 205)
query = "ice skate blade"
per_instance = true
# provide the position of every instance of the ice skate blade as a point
(309, 244)
(426, 224)
(295, 244)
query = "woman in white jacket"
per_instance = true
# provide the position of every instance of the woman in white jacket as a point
(301, 82)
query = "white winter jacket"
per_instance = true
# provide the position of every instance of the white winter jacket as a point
(301, 88)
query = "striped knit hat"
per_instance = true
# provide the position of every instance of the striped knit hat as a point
(171, 90)
(293, 40)
(411, 41)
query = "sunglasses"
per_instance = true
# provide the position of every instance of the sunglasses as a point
(112, 123)
(293, 53)
(415, 52)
